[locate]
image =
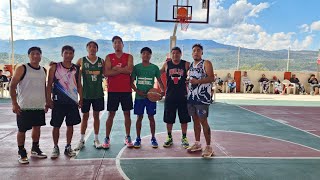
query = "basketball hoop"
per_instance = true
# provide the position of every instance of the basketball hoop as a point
(183, 18)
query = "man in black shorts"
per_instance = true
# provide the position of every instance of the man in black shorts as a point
(176, 92)
(66, 81)
(118, 68)
(27, 90)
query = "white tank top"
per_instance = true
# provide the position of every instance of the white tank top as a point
(31, 89)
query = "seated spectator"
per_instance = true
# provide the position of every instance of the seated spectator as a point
(276, 85)
(264, 83)
(228, 78)
(300, 86)
(230, 82)
(218, 82)
(314, 85)
(3, 78)
(247, 82)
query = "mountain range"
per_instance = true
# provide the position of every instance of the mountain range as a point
(223, 56)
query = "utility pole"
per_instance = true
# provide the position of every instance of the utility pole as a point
(288, 61)
(238, 66)
(12, 49)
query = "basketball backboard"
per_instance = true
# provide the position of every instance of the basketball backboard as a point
(197, 10)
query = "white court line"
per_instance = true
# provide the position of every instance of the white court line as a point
(214, 157)
(271, 138)
(277, 121)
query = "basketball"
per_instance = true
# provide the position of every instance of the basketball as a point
(154, 95)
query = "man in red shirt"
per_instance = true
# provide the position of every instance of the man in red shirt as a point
(118, 68)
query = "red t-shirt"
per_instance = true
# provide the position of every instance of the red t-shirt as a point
(120, 82)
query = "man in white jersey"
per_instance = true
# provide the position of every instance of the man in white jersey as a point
(201, 77)
(27, 91)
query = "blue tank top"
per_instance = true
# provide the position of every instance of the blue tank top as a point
(199, 93)
(65, 84)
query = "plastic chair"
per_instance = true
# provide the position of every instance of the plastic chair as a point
(3, 88)
(289, 86)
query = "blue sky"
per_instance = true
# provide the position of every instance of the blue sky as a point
(257, 24)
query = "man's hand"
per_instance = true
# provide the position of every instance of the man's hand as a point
(80, 103)
(52, 63)
(141, 93)
(194, 81)
(16, 109)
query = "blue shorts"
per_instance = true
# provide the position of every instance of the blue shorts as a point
(140, 104)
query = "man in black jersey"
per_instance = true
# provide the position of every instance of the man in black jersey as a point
(176, 92)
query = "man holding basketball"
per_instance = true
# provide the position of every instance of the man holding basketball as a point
(118, 67)
(199, 98)
(176, 92)
(144, 74)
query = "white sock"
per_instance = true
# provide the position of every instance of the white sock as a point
(82, 137)
(96, 137)
(197, 143)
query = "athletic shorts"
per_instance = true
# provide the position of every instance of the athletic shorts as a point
(97, 105)
(141, 104)
(68, 112)
(116, 98)
(170, 112)
(29, 118)
(202, 110)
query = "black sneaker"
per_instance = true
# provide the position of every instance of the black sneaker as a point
(69, 152)
(23, 157)
(36, 152)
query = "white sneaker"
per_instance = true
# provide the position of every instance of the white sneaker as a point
(96, 144)
(55, 152)
(80, 145)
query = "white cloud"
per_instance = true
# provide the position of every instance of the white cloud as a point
(100, 19)
(315, 26)
(304, 28)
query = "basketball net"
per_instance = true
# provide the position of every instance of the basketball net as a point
(184, 21)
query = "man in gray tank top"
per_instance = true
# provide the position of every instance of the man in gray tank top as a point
(201, 77)
(27, 91)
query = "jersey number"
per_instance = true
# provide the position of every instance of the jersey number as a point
(94, 77)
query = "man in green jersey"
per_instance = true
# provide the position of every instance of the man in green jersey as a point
(92, 74)
(144, 74)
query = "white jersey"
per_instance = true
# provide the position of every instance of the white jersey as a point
(31, 89)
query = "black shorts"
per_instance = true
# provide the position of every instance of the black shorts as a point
(170, 112)
(29, 118)
(70, 112)
(115, 98)
(97, 105)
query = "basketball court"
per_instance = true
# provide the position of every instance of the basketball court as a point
(254, 137)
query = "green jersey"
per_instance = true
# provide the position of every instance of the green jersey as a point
(144, 76)
(92, 75)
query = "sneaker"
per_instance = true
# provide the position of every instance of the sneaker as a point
(312, 93)
(184, 142)
(195, 147)
(168, 142)
(106, 143)
(97, 144)
(128, 142)
(208, 152)
(137, 143)
(55, 153)
(80, 145)
(154, 142)
(69, 152)
(23, 156)
(36, 152)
